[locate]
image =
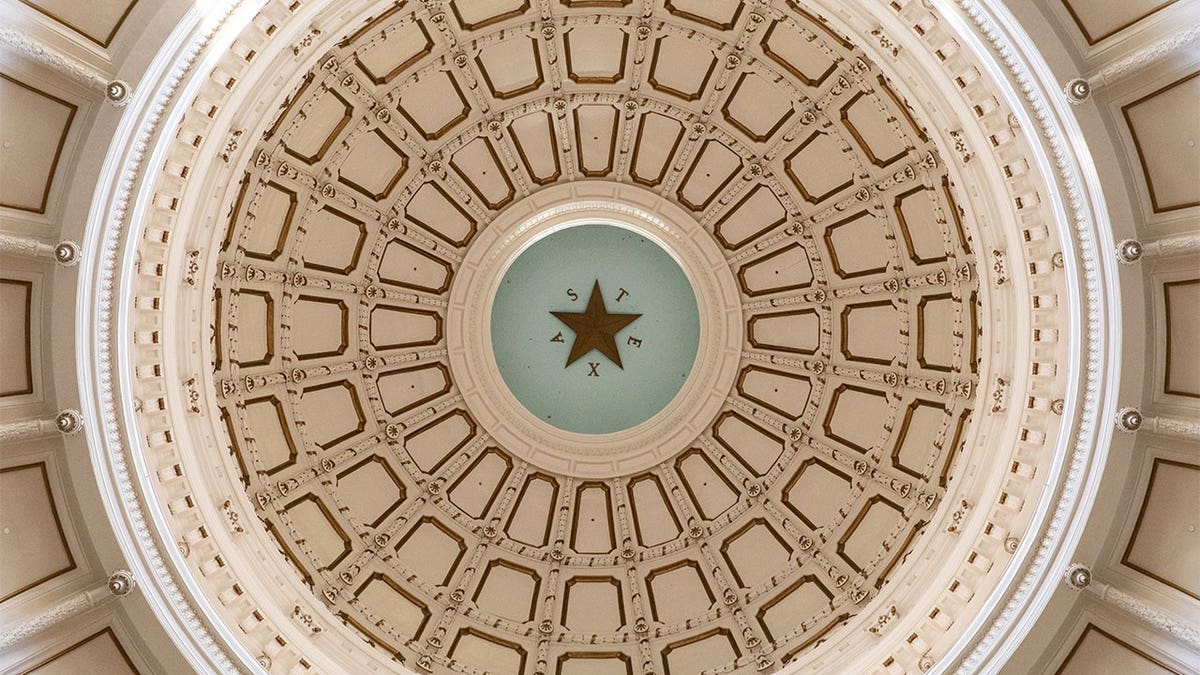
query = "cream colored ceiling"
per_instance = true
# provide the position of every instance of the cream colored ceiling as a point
(1163, 544)
(33, 544)
(1165, 134)
(378, 480)
(788, 512)
(1098, 651)
(95, 20)
(1101, 19)
(33, 131)
(1181, 319)
(100, 652)
(16, 340)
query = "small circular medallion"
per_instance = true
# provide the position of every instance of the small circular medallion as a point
(595, 328)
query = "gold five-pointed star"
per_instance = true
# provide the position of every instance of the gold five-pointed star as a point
(595, 328)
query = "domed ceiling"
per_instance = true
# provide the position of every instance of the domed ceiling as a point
(805, 489)
(593, 337)
(599, 337)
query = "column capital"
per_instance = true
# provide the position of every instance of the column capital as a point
(65, 253)
(1078, 576)
(1129, 419)
(1080, 89)
(66, 422)
(121, 583)
(1130, 251)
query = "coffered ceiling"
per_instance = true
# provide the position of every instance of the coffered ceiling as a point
(855, 266)
(864, 294)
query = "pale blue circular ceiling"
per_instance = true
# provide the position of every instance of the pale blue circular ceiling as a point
(633, 365)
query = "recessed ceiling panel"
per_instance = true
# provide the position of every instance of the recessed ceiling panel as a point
(820, 167)
(432, 445)
(431, 551)
(681, 68)
(33, 132)
(401, 46)
(405, 614)
(593, 604)
(755, 552)
(855, 416)
(1161, 124)
(29, 514)
(100, 652)
(16, 337)
(475, 491)
(593, 55)
(371, 490)
(698, 653)
(756, 214)
(374, 165)
(678, 592)
(318, 126)
(797, 331)
(508, 590)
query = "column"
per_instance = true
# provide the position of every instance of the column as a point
(1130, 251)
(1079, 577)
(65, 253)
(118, 585)
(67, 423)
(1131, 419)
(1081, 89)
(115, 92)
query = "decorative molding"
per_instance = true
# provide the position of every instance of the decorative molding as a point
(25, 430)
(175, 610)
(121, 583)
(69, 422)
(883, 621)
(1078, 91)
(1078, 576)
(477, 376)
(65, 253)
(306, 41)
(1145, 57)
(1020, 604)
(117, 92)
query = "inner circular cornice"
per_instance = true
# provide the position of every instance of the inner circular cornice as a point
(620, 453)
(275, 581)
